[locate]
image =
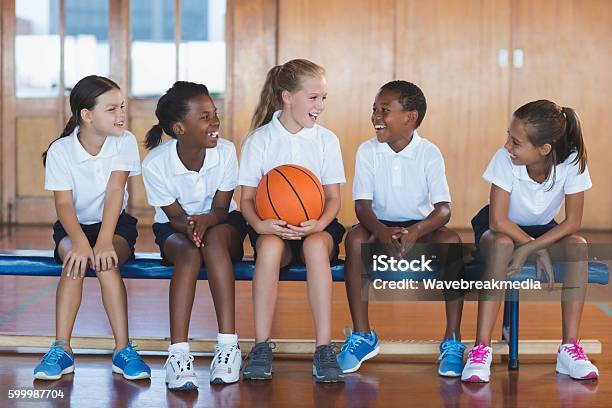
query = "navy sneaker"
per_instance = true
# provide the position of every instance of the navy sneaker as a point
(55, 363)
(129, 363)
(357, 348)
(451, 357)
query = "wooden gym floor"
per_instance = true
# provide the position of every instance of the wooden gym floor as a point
(27, 306)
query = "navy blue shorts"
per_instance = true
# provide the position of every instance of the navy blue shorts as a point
(126, 228)
(163, 231)
(401, 224)
(480, 225)
(335, 229)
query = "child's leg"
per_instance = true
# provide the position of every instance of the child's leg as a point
(67, 299)
(114, 295)
(498, 250)
(187, 262)
(222, 244)
(273, 253)
(316, 251)
(354, 279)
(452, 265)
(574, 284)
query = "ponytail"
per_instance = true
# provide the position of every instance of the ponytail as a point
(559, 127)
(573, 137)
(270, 99)
(84, 95)
(153, 137)
(286, 77)
(171, 108)
(70, 126)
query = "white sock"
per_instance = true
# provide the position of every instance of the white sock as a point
(182, 347)
(223, 338)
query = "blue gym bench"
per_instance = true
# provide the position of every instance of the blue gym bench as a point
(147, 266)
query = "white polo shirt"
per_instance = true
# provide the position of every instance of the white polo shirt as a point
(530, 202)
(70, 168)
(271, 145)
(402, 186)
(167, 180)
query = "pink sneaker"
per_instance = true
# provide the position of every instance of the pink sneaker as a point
(478, 366)
(572, 361)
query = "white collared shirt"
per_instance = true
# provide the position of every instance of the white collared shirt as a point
(167, 180)
(532, 203)
(403, 186)
(271, 145)
(70, 167)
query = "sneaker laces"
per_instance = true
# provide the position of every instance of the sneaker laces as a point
(130, 352)
(184, 360)
(452, 346)
(576, 351)
(478, 355)
(223, 352)
(326, 354)
(262, 352)
(351, 341)
(55, 352)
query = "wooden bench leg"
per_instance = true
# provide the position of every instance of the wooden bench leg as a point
(513, 315)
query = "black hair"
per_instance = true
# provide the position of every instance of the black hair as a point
(410, 97)
(84, 95)
(171, 108)
(548, 123)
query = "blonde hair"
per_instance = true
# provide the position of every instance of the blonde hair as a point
(280, 78)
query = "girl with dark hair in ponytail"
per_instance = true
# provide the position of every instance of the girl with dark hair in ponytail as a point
(542, 166)
(87, 169)
(190, 180)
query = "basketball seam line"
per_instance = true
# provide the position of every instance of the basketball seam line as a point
(313, 180)
(295, 192)
(270, 198)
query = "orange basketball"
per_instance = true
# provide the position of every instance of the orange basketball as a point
(290, 193)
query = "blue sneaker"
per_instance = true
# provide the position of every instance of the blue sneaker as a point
(357, 348)
(55, 363)
(129, 363)
(451, 357)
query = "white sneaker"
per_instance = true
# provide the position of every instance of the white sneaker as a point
(478, 365)
(180, 374)
(572, 361)
(225, 366)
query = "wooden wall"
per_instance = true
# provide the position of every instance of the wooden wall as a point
(450, 48)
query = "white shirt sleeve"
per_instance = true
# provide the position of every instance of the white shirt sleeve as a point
(576, 182)
(435, 175)
(333, 168)
(57, 173)
(251, 161)
(128, 158)
(499, 171)
(230, 174)
(155, 186)
(363, 184)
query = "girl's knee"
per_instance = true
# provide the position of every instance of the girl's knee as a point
(317, 242)
(269, 243)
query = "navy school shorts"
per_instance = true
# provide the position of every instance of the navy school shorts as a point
(126, 228)
(164, 230)
(335, 229)
(480, 225)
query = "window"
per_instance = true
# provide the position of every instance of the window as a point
(37, 48)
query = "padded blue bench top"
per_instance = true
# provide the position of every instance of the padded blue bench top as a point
(147, 266)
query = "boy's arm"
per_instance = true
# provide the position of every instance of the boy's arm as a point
(436, 219)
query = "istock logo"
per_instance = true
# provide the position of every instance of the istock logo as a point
(383, 263)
